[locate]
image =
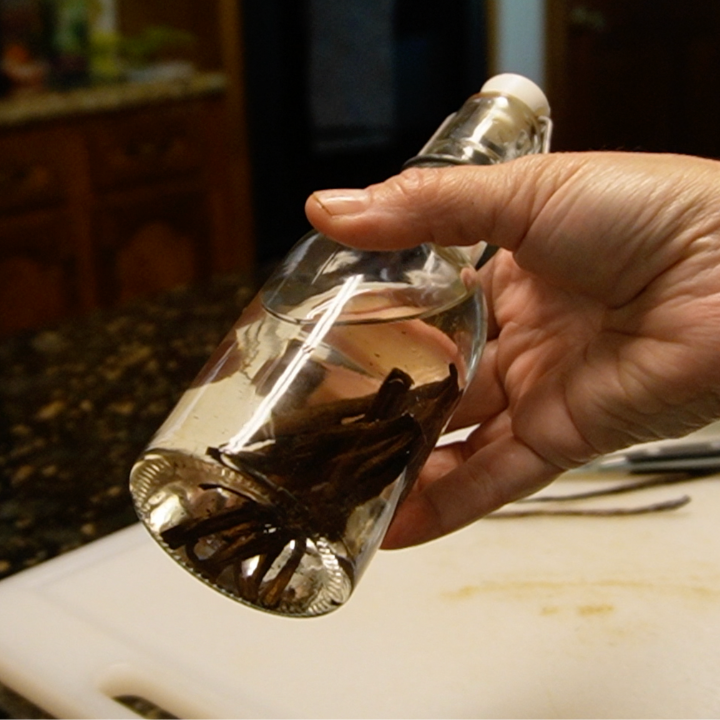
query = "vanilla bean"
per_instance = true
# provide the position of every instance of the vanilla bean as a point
(655, 481)
(391, 397)
(597, 512)
(307, 419)
(315, 468)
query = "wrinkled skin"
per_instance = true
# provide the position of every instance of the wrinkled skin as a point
(604, 307)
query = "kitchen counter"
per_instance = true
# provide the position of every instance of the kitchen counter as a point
(80, 400)
(614, 615)
(44, 106)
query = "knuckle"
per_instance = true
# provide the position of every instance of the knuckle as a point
(414, 184)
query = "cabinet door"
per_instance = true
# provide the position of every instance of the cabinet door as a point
(37, 271)
(635, 75)
(152, 239)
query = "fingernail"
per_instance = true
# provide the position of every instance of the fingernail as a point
(343, 202)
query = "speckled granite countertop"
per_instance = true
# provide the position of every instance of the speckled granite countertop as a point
(16, 112)
(79, 401)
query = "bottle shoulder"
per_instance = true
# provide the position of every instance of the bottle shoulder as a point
(319, 273)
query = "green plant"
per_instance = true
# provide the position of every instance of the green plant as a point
(153, 43)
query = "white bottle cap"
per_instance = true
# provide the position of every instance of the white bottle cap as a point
(521, 88)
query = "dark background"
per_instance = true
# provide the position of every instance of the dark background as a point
(635, 75)
(437, 62)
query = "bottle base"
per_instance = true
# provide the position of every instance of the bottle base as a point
(232, 536)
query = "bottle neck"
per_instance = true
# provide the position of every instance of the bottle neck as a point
(489, 129)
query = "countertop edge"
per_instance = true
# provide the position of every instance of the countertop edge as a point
(18, 112)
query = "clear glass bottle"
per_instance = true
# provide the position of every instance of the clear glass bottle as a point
(275, 477)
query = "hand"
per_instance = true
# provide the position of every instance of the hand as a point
(604, 312)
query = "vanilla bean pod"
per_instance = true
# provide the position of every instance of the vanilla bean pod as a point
(598, 512)
(317, 467)
(654, 481)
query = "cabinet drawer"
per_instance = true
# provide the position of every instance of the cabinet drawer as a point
(132, 147)
(31, 170)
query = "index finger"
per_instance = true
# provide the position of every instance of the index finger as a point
(465, 481)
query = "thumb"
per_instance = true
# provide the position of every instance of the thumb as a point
(457, 205)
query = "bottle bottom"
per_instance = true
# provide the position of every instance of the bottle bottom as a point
(236, 538)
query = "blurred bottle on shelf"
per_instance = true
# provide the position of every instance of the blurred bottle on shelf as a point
(104, 42)
(66, 27)
(22, 46)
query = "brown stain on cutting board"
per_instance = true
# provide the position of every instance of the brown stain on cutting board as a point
(597, 609)
(585, 610)
(538, 588)
(549, 610)
(588, 610)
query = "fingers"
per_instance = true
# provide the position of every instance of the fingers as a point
(592, 237)
(599, 224)
(459, 486)
(485, 396)
(446, 206)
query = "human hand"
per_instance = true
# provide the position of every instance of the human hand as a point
(604, 312)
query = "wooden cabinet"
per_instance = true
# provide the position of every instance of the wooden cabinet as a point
(32, 170)
(38, 270)
(635, 75)
(128, 149)
(107, 207)
(152, 240)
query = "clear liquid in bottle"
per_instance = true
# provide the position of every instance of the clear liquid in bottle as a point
(277, 474)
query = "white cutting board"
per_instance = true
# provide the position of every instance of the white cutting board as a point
(542, 617)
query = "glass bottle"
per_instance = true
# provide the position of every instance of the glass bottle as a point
(275, 477)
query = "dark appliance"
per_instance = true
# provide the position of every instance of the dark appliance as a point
(341, 93)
